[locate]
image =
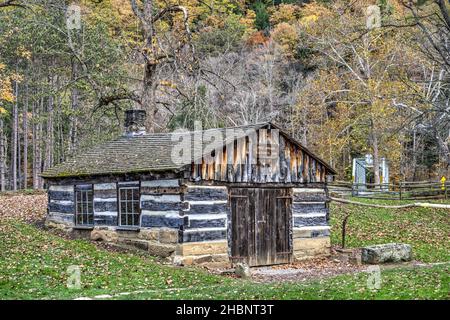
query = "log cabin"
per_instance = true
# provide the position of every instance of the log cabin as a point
(248, 194)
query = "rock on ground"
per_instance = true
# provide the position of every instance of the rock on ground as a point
(242, 270)
(390, 252)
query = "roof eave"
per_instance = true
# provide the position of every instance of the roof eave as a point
(97, 174)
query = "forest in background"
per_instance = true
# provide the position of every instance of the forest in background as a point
(315, 68)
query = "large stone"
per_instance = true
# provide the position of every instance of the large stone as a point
(202, 259)
(60, 226)
(390, 252)
(81, 233)
(183, 261)
(202, 248)
(134, 243)
(104, 235)
(127, 234)
(242, 270)
(167, 235)
(162, 250)
(149, 234)
(307, 248)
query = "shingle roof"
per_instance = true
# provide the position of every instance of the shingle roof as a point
(131, 154)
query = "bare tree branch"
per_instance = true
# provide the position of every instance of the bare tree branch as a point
(12, 3)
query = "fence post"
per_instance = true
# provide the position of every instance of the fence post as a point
(400, 185)
(445, 191)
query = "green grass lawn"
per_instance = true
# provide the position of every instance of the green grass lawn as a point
(427, 230)
(416, 283)
(33, 264)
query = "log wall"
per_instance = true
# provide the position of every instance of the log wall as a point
(162, 204)
(189, 215)
(105, 204)
(61, 204)
(206, 214)
(311, 230)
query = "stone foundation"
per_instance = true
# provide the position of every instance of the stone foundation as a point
(201, 252)
(307, 248)
(162, 242)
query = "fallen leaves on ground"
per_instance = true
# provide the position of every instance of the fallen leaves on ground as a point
(28, 208)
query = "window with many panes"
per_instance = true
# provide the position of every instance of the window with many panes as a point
(129, 209)
(84, 205)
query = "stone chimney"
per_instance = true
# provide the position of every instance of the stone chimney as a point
(135, 122)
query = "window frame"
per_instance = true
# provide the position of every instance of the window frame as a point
(88, 191)
(135, 188)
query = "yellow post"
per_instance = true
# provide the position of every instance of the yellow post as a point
(443, 186)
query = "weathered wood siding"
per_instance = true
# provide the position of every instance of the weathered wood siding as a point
(247, 160)
(206, 214)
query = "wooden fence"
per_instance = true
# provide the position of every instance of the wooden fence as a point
(417, 190)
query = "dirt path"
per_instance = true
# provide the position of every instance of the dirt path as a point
(324, 268)
(306, 270)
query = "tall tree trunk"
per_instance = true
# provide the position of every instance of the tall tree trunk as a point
(414, 154)
(2, 157)
(73, 117)
(60, 132)
(25, 139)
(148, 96)
(376, 157)
(34, 147)
(39, 139)
(50, 134)
(14, 139)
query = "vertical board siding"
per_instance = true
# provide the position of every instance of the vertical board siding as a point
(261, 229)
(249, 159)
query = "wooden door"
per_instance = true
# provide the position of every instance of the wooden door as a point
(260, 225)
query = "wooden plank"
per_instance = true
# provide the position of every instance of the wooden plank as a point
(217, 164)
(223, 165)
(293, 164)
(282, 159)
(60, 195)
(274, 164)
(207, 221)
(237, 161)
(239, 215)
(248, 159)
(262, 149)
(160, 190)
(230, 160)
(204, 234)
(168, 183)
(287, 154)
(203, 169)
